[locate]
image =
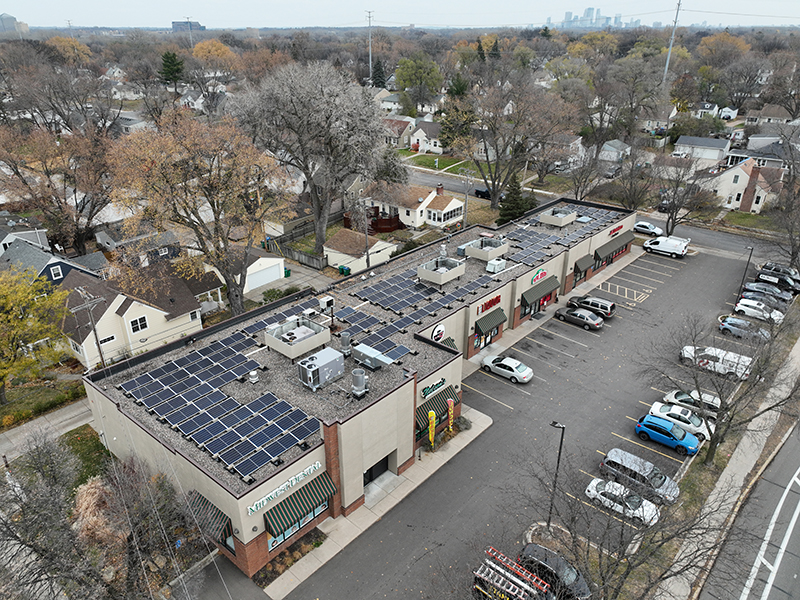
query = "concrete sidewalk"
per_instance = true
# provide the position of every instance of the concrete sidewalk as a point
(12, 442)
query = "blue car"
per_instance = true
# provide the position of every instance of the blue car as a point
(651, 427)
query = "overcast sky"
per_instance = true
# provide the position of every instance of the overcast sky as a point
(442, 13)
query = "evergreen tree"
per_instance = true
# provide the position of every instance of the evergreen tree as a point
(515, 204)
(481, 54)
(459, 86)
(171, 69)
(494, 53)
(378, 75)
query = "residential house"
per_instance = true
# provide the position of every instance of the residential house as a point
(745, 186)
(569, 146)
(701, 109)
(661, 116)
(399, 134)
(728, 113)
(378, 94)
(770, 113)
(416, 205)
(14, 227)
(701, 148)
(192, 100)
(150, 245)
(391, 103)
(52, 267)
(614, 151)
(347, 248)
(432, 105)
(767, 150)
(130, 122)
(121, 324)
(426, 137)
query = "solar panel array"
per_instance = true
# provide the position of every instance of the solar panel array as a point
(280, 317)
(359, 320)
(185, 394)
(396, 294)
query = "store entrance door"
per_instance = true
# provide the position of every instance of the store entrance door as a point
(376, 470)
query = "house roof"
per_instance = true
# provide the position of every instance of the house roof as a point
(705, 106)
(772, 111)
(441, 202)
(349, 242)
(78, 325)
(206, 282)
(617, 145)
(398, 195)
(396, 126)
(96, 261)
(702, 142)
(22, 256)
(431, 130)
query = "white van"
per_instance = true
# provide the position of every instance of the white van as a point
(669, 245)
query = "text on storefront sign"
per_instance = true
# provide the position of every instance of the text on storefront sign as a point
(615, 230)
(293, 481)
(489, 304)
(538, 276)
(427, 391)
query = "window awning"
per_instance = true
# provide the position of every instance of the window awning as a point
(299, 504)
(212, 521)
(488, 322)
(438, 404)
(450, 343)
(583, 264)
(541, 289)
(618, 242)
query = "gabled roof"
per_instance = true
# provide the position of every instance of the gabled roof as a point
(396, 126)
(78, 325)
(430, 129)
(441, 202)
(349, 242)
(22, 256)
(403, 196)
(702, 142)
(771, 111)
(96, 261)
(617, 145)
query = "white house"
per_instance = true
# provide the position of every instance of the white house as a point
(710, 149)
(770, 113)
(614, 151)
(658, 117)
(702, 109)
(391, 103)
(745, 186)
(261, 271)
(728, 113)
(426, 135)
(416, 205)
(347, 248)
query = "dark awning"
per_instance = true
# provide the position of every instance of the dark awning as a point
(450, 343)
(540, 290)
(488, 322)
(438, 404)
(212, 521)
(583, 264)
(618, 242)
(299, 504)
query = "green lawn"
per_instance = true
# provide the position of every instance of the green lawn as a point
(553, 183)
(428, 161)
(86, 445)
(745, 219)
(405, 152)
(32, 400)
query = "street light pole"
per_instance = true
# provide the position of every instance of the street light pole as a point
(747, 267)
(557, 425)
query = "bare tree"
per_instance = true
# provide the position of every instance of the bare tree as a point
(783, 87)
(682, 198)
(314, 120)
(637, 83)
(742, 79)
(784, 213)
(584, 176)
(634, 186)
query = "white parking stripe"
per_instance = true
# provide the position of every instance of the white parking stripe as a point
(536, 358)
(649, 270)
(567, 338)
(551, 348)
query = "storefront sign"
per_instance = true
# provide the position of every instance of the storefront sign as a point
(488, 304)
(616, 230)
(293, 481)
(450, 405)
(428, 390)
(438, 333)
(431, 425)
(538, 276)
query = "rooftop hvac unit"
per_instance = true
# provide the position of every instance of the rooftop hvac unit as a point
(462, 249)
(325, 303)
(370, 357)
(310, 312)
(321, 368)
(496, 265)
(297, 334)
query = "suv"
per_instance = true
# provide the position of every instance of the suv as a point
(640, 475)
(564, 579)
(483, 193)
(779, 269)
(599, 306)
(780, 280)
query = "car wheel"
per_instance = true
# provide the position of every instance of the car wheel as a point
(700, 437)
(513, 380)
(586, 327)
(650, 250)
(680, 450)
(638, 521)
(487, 368)
(561, 317)
(658, 500)
(730, 375)
(653, 234)
(739, 312)
(643, 436)
(726, 332)
(596, 502)
(673, 255)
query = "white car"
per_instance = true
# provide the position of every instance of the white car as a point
(618, 498)
(647, 229)
(757, 310)
(719, 361)
(695, 401)
(685, 418)
(508, 367)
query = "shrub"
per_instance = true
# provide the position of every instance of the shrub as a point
(271, 295)
(8, 420)
(462, 423)
(297, 555)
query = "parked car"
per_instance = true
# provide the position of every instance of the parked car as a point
(580, 316)
(684, 417)
(758, 310)
(599, 306)
(773, 267)
(623, 501)
(769, 289)
(705, 404)
(665, 206)
(612, 172)
(640, 475)
(742, 328)
(508, 367)
(647, 228)
(650, 427)
(719, 361)
(671, 246)
(771, 301)
(483, 193)
(565, 580)
(782, 281)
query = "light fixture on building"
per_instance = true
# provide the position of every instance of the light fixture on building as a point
(255, 527)
(142, 340)
(235, 532)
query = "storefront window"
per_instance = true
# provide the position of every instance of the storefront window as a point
(525, 309)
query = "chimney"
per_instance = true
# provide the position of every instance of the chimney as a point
(439, 189)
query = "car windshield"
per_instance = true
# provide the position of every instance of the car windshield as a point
(678, 432)
(657, 478)
(521, 368)
(633, 501)
(695, 420)
(568, 574)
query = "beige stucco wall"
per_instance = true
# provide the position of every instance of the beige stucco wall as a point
(506, 294)
(453, 325)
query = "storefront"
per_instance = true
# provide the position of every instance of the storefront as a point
(488, 328)
(606, 253)
(581, 271)
(537, 298)
(440, 405)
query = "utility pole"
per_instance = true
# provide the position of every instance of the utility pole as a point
(366, 231)
(468, 180)
(189, 21)
(90, 303)
(671, 42)
(369, 19)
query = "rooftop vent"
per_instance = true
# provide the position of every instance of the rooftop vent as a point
(370, 357)
(360, 383)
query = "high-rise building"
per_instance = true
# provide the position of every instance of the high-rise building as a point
(618, 20)
(567, 16)
(184, 26)
(598, 20)
(7, 23)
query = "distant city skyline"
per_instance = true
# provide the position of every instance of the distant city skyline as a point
(443, 14)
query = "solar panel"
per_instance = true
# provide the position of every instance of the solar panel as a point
(384, 345)
(255, 327)
(232, 419)
(263, 402)
(273, 412)
(291, 419)
(135, 383)
(207, 433)
(306, 428)
(214, 346)
(250, 426)
(223, 442)
(244, 369)
(222, 408)
(396, 353)
(344, 313)
(371, 339)
(147, 390)
(237, 452)
(198, 366)
(180, 415)
(157, 398)
(357, 317)
(190, 358)
(232, 339)
(266, 435)
(164, 370)
(231, 362)
(353, 330)
(186, 384)
(167, 407)
(281, 445)
(252, 464)
(191, 425)
(195, 393)
(222, 354)
(210, 400)
(211, 372)
(245, 344)
(403, 322)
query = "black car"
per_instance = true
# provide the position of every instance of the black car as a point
(564, 579)
(784, 282)
(483, 193)
(665, 206)
(773, 267)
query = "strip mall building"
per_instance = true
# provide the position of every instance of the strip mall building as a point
(281, 418)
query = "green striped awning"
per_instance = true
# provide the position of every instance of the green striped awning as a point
(488, 322)
(450, 343)
(299, 504)
(583, 263)
(438, 404)
(540, 290)
(607, 249)
(212, 521)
